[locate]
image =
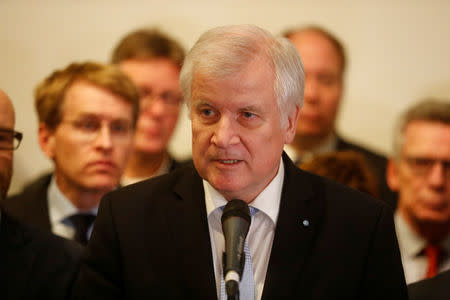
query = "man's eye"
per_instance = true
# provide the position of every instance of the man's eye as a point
(88, 125)
(207, 112)
(327, 79)
(119, 128)
(423, 162)
(248, 115)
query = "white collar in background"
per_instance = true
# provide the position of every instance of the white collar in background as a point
(60, 208)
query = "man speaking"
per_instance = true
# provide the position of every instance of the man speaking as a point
(309, 238)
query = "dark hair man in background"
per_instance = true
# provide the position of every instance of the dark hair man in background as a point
(324, 60)
(33, 264)
(309, 238)
(87, 115)
(153, 61)
(420, 172)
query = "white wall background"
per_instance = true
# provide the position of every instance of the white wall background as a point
(399, 51)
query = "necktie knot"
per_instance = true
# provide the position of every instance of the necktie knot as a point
(81, 223)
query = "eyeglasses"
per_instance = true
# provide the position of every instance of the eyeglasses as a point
(170, 99)
(422, 166)
(89, 128)
(9, 139)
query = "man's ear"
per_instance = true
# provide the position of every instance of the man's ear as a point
(292, 124)
(392, 174)
(46, 137)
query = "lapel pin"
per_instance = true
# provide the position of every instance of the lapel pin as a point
(305, 223)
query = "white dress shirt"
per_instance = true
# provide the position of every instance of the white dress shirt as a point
(261, 232)
(60, 209)
(412, 245)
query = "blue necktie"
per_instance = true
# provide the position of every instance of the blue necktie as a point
(247, 284)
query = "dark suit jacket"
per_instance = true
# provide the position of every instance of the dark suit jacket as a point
(31, 206)
(35, 264)
(151, 241)
(436, 288)
(378, 164)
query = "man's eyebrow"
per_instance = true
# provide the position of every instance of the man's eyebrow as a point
(202, 102)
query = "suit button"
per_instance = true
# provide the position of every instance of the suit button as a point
(305, 223)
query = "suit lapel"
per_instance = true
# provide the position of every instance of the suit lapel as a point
(300, 214)
(191, 231)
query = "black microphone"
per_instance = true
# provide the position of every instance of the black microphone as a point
(235, 224)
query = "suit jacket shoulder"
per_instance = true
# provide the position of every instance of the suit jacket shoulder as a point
(36, 264)
(31, 205)
(151, 241)
(332, 242)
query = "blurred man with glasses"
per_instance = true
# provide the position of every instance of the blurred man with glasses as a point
(153, 62)
(33, 264)
(420, 173)
(87, 115)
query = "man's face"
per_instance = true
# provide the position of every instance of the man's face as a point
(323, 84)
(237, 137)
(91, 145)
(157, 80)
(424, 193)
(6, 156)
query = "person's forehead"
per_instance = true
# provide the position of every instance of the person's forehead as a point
(141, 69)
(6, 112)
(427, 137)
(315, 48)
(87, 98)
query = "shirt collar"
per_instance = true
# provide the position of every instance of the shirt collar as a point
(268, 201)
(328, 145)
(60, 208)
(411, 243)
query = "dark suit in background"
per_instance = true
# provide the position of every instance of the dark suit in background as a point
(436, 288)
(31, 205)
(151, 240)
(35, 264)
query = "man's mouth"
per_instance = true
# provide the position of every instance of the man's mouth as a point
(229, 161)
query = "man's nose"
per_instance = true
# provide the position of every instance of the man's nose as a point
(225, 133)
(311, 90)
(104, 139)
(436, 177)
(154, 106)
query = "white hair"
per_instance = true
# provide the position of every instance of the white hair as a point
(226, 50)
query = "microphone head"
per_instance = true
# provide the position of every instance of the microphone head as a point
(236, 208)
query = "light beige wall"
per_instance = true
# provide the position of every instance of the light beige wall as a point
(399, 51)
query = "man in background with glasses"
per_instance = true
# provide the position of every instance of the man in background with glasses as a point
(153, 62)
(420, 172)
(34, 264)
(87, 115)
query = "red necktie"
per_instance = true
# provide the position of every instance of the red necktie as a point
(433, 253)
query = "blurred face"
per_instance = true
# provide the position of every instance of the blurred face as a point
(422, 176)
(237, 137)
(158, 84)
(323, 84)
(91, 145)
(6, 156)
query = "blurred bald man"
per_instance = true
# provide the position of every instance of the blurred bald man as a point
(34, 264)
(324, 63)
